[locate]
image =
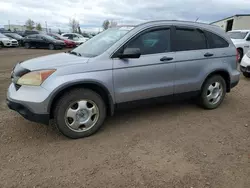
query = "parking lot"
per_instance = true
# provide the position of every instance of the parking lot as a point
(169, 145)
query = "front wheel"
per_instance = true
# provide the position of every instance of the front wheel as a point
(79, 113)
(26, 45)
(247, 75)
(51, 47)
(213, 92)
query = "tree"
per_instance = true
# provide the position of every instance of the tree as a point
(59, 32)
(30, 24)
(74, 24)
(79, 29)
(38, 27)
(106, 24)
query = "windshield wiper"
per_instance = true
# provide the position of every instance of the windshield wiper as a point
(74, 53)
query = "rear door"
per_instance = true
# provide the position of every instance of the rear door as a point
(192, 56)
(152, 74)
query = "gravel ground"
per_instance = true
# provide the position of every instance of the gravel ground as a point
(171, 145)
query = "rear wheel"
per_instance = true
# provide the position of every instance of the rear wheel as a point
(213, 92)
(247, 75)
(26, 45)
(51, 46)
(79, 113)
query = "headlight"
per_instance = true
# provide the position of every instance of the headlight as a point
(35, 78)
(248, 54)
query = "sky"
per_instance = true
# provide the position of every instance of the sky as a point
(92, 13)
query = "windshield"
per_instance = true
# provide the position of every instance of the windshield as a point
(2, 36)
(56, 36)
(101, 42)
(237, 35)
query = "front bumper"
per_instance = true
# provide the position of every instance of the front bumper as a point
(30, 102)
(27, 113)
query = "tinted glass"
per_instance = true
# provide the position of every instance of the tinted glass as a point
(189, 39)
(215, 41)
(31, 36)
(237, 34)
(157, 41)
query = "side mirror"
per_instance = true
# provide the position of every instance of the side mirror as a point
(130, 53)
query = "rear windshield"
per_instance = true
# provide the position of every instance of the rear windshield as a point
(237, 34)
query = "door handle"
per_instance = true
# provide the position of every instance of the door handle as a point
(208, 54)
(166, 58)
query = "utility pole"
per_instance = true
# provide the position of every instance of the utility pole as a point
(9, 24)
(46, 27)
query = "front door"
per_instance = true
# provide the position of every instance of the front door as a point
(151, 75)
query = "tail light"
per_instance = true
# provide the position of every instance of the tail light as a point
(237, 56)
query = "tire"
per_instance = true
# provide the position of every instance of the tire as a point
(247, 75)
(216, 86)
(71, 102)
(240, 51)
(26, 45)
(51, 46)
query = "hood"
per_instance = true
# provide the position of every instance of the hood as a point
(235, 41)
(12, 39)
(5, 39)
(53, 61)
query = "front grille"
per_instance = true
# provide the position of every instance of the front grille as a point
(14, 42)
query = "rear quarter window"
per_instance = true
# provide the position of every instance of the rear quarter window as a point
(215, 41)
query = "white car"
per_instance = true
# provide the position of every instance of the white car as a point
(77, 38)
(241, 40)
(7, 42)
(245, 65)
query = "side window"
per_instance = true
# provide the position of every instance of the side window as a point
(152, 42)
(189, 39)
(31, 36)
(66, 35)
(39, 37)
(215, 41)
(70, 36)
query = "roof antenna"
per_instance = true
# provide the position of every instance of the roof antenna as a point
(197, 19)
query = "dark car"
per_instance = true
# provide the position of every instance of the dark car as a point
(68, 43)
(29, 32)
(42, 41)
(15, 36)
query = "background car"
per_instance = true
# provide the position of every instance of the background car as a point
(29, 32)
(15, 36)
(42, 41)
(7, 42)
(68, 43)
(241, 40)
(245, 65)
(77, 38)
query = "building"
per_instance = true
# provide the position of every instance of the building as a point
(15, 27)
(19, 28)
(236, 22)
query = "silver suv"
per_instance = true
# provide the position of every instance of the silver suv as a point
(154, 60)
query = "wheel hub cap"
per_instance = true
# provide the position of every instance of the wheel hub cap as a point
(214, 93)
(81, 115)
